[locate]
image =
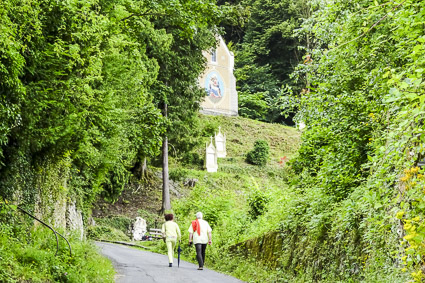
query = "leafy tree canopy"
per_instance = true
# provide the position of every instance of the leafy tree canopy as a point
(363, 106)
(267, 51)
(84, 79)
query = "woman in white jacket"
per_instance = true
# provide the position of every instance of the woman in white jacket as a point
(200, 235)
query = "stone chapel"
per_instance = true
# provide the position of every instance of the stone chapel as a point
(219, 82)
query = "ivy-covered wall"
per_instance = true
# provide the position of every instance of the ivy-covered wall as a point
(53, 193)
(266, 249)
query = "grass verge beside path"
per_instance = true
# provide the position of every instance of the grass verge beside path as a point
(28, 255)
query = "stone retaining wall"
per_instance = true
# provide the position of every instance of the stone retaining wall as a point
(266, 249)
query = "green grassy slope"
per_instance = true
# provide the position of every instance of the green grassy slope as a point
(224, 197)
(242, 132)
(241, 201)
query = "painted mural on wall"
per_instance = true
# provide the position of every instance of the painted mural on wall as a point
(214, 86)
(221, 97)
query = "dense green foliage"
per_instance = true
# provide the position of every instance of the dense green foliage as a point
(83, 79)
(257, 201)
(118, 222)
(112, 228)
(364, 115)
(259, 155)
(86, 79)
(267, 51)
(106, 232)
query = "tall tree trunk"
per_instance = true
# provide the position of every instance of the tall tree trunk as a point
(144, 168)
(166, 204)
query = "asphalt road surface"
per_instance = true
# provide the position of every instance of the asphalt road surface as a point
(133, 265)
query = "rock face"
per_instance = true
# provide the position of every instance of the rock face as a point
(74, 220)
(139, 229)
(51, 210)
(51, 193)
(46, 186)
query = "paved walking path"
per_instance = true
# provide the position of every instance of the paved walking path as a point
(133, 265)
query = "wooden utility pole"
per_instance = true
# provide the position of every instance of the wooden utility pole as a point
(166, 203)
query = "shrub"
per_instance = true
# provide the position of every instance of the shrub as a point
(257, 202)
(253, 105)
(118, 222)
(177, 174)
(106, 233)
(260, 154)
(193, 158)
(209, 128)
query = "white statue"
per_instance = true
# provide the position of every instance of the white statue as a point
(139, 229)
(211, 158)
(220, 143)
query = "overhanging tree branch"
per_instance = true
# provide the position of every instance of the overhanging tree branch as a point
(143, 15)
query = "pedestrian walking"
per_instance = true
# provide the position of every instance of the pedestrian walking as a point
(170, 234)
(200, 236)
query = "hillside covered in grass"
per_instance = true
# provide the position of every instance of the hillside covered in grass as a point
(241, 201)
(239, 187)
(143, 198)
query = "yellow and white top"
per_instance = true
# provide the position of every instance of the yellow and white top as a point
(171, 230)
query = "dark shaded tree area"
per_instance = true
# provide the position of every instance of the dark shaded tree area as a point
(267, 52)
